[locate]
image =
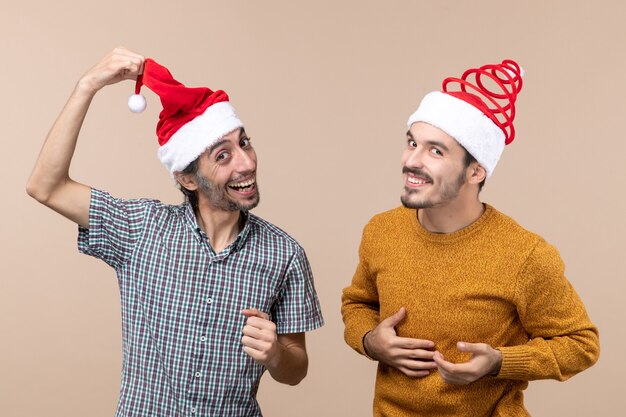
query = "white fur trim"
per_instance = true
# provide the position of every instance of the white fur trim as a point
(197, 135)
(477, 133)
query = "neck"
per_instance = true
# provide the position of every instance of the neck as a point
(220, 226)
(452, 216)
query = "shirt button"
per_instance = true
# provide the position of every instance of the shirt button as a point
(198, 374)
(193, 410)
(203, 338)
(209, 300)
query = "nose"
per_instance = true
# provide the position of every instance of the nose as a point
(413, 158)
(246, 160)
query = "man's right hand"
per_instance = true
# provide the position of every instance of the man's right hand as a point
(119, 64)
(413, 357)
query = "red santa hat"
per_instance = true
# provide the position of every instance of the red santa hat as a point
(192, 119)
(477, 110)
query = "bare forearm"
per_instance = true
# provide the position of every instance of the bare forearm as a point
(50, 182)
(291, 365)
(52, 167)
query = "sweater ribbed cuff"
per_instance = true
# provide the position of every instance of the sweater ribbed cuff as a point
(515, 363)
(364, 351)
(355, 337)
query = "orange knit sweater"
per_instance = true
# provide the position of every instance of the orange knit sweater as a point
(491, 282)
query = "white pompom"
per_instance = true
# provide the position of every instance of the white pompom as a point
(512, 73)
(137, 103)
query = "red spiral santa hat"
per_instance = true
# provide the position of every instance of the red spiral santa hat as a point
(477, 110)
(192, 119)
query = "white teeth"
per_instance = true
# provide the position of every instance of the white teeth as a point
(243, 184)
(417, 181)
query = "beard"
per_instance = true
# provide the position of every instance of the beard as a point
(448, 191)
(219, 198)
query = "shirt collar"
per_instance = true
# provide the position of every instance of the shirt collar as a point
(190, 218)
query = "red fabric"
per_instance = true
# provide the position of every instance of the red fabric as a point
(180, 104)
(507, 78)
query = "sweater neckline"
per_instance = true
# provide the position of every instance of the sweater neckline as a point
(454, 236)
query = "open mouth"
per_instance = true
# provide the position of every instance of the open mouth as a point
(416, 181)
(243, 186)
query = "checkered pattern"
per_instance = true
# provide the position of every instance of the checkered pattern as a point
(181, 304)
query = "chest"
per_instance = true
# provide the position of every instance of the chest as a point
(175, 285)
(450, 292)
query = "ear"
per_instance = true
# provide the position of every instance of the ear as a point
(187, 181)
(476, 173)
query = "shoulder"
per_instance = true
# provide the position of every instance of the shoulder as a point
(101, 198)
(399, 216)
(519, 238)
(271, 235)
(503, 223)
(394, 222)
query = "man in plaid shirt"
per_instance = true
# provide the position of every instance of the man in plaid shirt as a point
(212, 295)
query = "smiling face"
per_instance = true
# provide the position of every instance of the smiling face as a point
(434, 168)
(226, 174)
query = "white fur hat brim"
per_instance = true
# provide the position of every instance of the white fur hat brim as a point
(194, 137)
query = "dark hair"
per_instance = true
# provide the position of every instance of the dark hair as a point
(190, 195)
(469, 159)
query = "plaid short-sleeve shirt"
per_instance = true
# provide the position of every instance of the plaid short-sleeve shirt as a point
(181, 304)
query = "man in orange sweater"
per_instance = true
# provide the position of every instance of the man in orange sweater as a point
(459, 304)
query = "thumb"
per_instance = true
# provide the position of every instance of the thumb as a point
(253, 312)
(470, 347)
(393, 320)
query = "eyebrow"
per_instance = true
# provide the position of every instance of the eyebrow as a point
(430, 142)
(242, 134)
(216, 145)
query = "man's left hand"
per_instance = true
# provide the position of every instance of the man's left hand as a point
(260, 340)
(485, 360)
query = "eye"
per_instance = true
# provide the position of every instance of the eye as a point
(244, 142)
(221, 156)
(436, 151)
(411, 143)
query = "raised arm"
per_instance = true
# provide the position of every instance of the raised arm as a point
(50, 183)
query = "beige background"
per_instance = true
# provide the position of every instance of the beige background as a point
(325, 89)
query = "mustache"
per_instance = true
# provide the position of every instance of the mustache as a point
(244, 175)
(417, 172)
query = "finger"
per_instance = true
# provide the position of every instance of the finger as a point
(412, 354)
(123, 52)
(394, 319)
(127, 64)
(442, 363)
(253, 312)
(252, 331)
(449, 377)
(129, 68)
(460, 372)
(261, 324)
(260, 334)
(253, 353)
(413, 373)
(416, 365)
(471, 347)
(256, 344)
(419, 354)
(410, 343)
